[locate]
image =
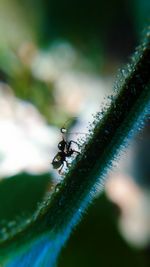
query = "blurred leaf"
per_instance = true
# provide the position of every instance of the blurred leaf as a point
(21, 193)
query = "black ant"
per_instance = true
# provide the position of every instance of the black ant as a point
(65, 151)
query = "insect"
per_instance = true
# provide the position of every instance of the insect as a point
(65, 151)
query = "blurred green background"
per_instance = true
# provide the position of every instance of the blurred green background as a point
(57, 61)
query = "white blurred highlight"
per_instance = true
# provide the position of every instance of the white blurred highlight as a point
(26, 141)
(134, 221)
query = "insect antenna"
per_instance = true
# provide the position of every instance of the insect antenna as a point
(77, 133)
(64, 130)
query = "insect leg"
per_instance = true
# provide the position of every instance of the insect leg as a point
(75, 151)
(59, 171)
(69, 144)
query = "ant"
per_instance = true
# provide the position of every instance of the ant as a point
(65, 151)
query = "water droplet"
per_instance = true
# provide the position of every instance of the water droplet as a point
(57, 187)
